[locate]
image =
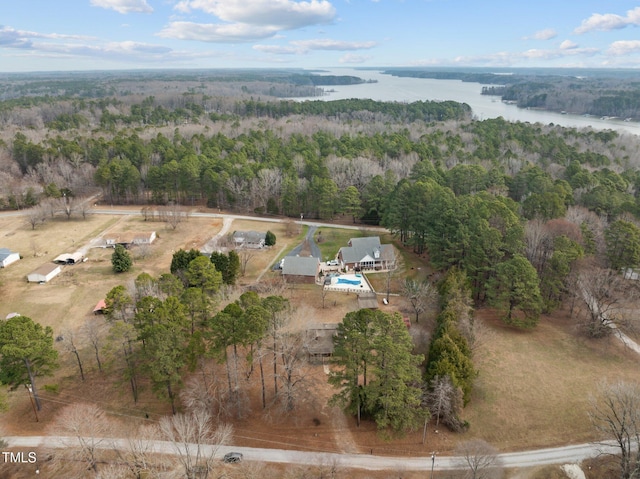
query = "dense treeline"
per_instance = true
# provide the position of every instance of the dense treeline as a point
(582, 92)
(400, 112)
(24, 89)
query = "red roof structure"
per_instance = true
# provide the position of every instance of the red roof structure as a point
(100, 307)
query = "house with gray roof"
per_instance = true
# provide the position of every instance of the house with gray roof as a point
(367, 254)
(300, 269)
(7, 257)
(249, 239)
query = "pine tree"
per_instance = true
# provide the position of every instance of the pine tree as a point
(121, 259)
(26, 352)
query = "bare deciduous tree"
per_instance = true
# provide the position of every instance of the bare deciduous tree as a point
(194, 440)
(419, 294)
(89, 427)
(173, 215)
(445, 402)
(35, 216)
(292, 377)
(70, 344)
(601, 292)
(615, 412)
(95, 330)
(538, 243)
(246, 255)
(84, 207)
(291, 228)
(138, 454)
(479, 459)
(68, 205)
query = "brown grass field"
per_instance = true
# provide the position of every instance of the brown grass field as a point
(532, 388)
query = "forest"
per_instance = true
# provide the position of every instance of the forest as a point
(426, 171)
(523, 218)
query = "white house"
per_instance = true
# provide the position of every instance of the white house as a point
(129, 239)
(44, 273)
(7, 257)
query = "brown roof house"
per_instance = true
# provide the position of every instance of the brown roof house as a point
(44, 273)
(300, 269)
(367, 254)
(319, 340)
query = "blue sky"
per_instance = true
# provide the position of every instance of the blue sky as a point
(41, 35)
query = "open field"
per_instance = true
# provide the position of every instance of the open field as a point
(531, 391)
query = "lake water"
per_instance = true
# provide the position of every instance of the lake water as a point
(390, 88)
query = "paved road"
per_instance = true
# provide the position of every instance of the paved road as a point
(560, 455)
(315, 251)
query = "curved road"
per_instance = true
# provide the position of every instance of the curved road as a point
(559, 455)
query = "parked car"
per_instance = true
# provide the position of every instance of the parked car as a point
(232, 457)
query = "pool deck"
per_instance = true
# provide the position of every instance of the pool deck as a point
(364, 286)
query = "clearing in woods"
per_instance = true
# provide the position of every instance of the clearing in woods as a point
(528, 381)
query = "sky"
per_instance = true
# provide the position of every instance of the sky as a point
(63, 35)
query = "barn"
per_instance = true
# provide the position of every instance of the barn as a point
(44, 273)
(66, 258)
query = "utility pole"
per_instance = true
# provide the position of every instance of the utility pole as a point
(433, 461)
(35, 411)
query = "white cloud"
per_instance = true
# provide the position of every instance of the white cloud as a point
(124, 6)
(283, 14)
(56, 45)
(532, 55)
(546, 34)
(350, 58)
(609, 21)
(247, 20)
(624, 47)
(326, 44)
(568, 45)
(217, 33)
(122, 51)
(12, 38)
(277, 49)
(302, 47)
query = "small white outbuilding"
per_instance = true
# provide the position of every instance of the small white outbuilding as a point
(44, 273)
(7, 257)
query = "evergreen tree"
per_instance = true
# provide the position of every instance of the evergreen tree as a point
(26, 352)
(515, 290)
(201, 273)
(270, 239)
(379, 375)
(181, 259)
(623, 245)
(121, 259)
